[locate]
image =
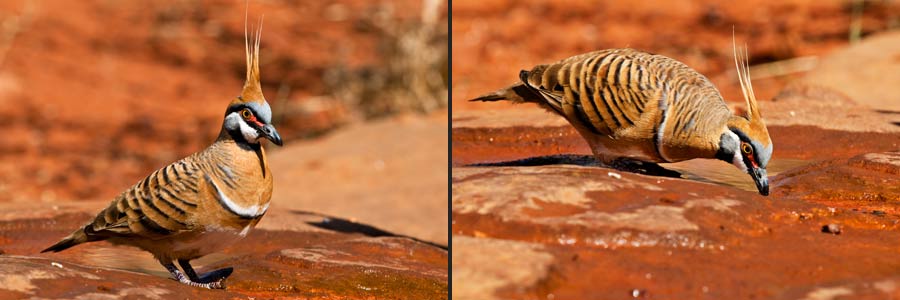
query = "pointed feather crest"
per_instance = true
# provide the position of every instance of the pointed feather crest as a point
(742, 63)
(752, 123)
(252, 91)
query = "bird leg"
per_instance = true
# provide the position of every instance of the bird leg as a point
(188, 270)
(181, 277)
(212, 276)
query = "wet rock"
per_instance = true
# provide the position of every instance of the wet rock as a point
(502, 135)
(866, 182)
(888, 162)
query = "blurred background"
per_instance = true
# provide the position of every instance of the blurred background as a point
(785, 38)
(95, 95)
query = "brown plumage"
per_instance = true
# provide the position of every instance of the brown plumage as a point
(203, 202)
(634, 105)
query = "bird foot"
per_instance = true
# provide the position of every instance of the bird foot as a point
(213, 285)
(216, 276)
(211, 280)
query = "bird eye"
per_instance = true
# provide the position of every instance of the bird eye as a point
(246, 114)
(746, 148)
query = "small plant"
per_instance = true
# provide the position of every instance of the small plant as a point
(414, 75)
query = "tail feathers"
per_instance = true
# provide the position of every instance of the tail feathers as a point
(73, 239)
(495, 96)
(517, 93)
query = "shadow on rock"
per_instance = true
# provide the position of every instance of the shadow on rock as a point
(346, 226)
(624, 165)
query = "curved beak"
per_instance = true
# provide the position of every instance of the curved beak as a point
(761, 180)
(270, 133)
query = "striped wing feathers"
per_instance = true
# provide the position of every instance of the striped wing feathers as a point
(624, 94)
(603, 91)
(216, 186)
(162, 204)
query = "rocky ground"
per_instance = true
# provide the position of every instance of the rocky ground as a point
(534, 218)
(94, 95)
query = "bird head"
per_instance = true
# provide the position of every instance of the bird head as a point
(249, 117)
(745, 142)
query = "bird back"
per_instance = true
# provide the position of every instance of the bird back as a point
(630, 95)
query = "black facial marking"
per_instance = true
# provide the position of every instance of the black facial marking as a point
(238, 137)
(746, 139)
(238, 108)
(235, 133)
(723, 153)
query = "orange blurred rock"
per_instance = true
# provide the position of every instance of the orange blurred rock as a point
(391, 173)
(866, 72)
(140, 85)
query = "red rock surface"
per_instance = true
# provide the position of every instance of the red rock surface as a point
(595, 233)
(305, 262)
(563, 228)
(596, 236)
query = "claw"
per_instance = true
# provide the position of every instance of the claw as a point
(211, 280)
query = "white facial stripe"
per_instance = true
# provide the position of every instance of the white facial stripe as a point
(737, 160)
(248, 212)
(234, 121)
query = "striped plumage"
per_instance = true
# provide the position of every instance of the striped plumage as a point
(201, 203)
(634, 105)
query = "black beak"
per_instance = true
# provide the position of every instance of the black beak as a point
(270, 133)
(761, 180)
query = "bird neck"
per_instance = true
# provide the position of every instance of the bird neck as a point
(235, 144)
(237, 137)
